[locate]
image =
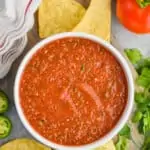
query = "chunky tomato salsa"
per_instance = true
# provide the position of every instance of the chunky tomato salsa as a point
(73, 91)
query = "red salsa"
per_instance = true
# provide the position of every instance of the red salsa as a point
(73, 91)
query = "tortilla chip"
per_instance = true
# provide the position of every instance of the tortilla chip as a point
(24, 144)
(56, 16)
(108, 146)
(97, 19)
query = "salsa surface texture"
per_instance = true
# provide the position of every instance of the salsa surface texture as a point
(73, 91)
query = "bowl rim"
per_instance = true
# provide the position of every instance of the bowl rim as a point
(125, 115)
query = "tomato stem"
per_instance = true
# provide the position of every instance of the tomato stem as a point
(143, 3)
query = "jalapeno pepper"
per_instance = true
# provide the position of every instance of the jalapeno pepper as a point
(3, 102)
(5, 127)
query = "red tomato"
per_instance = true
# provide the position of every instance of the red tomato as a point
(133, 16)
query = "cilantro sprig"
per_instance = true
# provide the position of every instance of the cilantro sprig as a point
(142, 100)
(124, 136)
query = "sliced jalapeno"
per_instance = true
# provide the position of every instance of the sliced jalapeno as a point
(5, 127)
(3, 102)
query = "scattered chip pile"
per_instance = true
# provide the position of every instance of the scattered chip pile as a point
(57, 16)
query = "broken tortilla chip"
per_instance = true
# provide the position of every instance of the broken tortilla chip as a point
(23, 144)
(108, 146)
(56, 16)
(97, 20)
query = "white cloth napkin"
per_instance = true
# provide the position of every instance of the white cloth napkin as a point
(14, 52)
(16, 19)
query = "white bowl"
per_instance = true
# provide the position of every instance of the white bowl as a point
(120, 123)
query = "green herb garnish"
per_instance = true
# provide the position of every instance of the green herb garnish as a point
(142, 114)
(134, 55)
(124, 135)
(137, 117)
(125, 131)
(122, 143)
(146, 145)
(139, 98)
(146, 121)
(144, 78)
(83, 67)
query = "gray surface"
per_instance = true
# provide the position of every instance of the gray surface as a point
(2, 5)
(6, 84)
(121, 39)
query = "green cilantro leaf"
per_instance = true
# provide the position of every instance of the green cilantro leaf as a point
(144, 63)
(122, 143)
(146, 121)
(142, 107)
(134, 55)
(146, 145)
(137, 116)
(139, 98)
(144, 78)
(125, 131)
